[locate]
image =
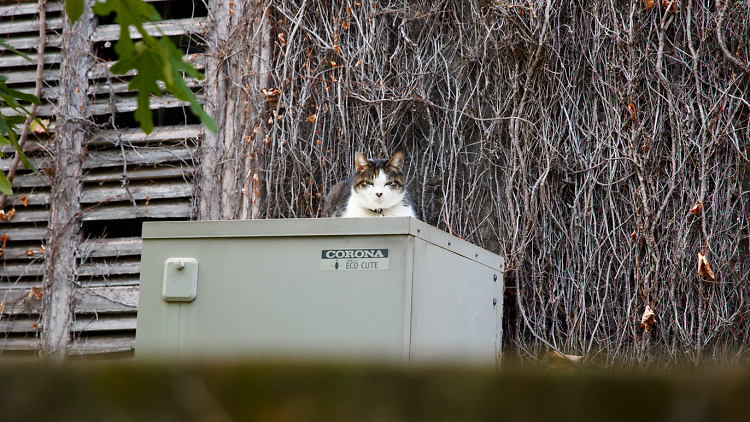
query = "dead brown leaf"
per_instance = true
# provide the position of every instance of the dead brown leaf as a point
(633, 115)
(35, 293)
(338, 50)
(648, 319)
(4, 239)
(312, 119)
(272, 96)
(23, 200)
(671, 9)
(2, 215)
(705, 269)
(633, 235)
(648, 3)
(696, 208)
(10, 214)
(30, 252)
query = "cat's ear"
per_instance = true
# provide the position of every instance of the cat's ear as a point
(361, 161)
(397, 161)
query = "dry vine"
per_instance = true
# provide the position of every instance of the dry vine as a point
(546, 131)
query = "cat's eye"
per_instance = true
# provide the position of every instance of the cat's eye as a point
(389, 183)
(368, 182)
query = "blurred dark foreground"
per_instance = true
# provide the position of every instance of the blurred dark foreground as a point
(307, 393)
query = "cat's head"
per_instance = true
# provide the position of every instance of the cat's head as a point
(379, 183)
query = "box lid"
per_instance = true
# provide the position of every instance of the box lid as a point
(301, 227)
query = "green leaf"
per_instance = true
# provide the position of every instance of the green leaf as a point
(5, 185)
(129, 13)
(149, 67)
(7, 127)
(179, 88)
(74, 9)
(29, 98)
(7, 46)
(152, 61)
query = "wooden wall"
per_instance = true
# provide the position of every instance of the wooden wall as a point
(128, 177)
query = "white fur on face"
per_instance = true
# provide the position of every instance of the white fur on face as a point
(368, 197)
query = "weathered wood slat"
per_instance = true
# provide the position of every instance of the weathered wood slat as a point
(146, 173)
(102, 269)
(131, 104)
(29, 8)
(105, 107)
(22, 252)
(26, 76)
(88, 345)
(31, 42)
(98, 300)
(100, 69)
(31, 180)
(16, 26)
(41, 198)
(122, 87)
(23, 215)
(47, 92)
(22, 270)
(126, 280)
(144, 192)
(143, 156)
(18, 61)
(118, 246)
(84, 324)
(106, 299)
(104, 324)
(41, 111)
(168, 27)
(23, 233)
(104, 344)
(16, 343)
(138, 137)
(183, 210)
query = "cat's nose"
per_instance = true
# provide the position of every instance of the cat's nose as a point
(378, 194)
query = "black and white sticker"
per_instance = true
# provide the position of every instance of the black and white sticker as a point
(354, 260)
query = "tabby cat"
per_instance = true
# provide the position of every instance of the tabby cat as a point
(377, 189)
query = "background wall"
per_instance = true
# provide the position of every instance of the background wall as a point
(571, 137)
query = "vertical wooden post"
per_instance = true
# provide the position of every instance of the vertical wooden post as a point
(211, 166)
(65, 224)
(237, 69)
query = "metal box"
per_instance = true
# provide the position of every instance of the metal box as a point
(388, 290)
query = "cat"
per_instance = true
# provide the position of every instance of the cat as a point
(377, 189)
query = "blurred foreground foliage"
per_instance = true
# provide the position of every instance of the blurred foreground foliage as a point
(303, 393)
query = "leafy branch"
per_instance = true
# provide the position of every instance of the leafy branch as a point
(153, 60)
(8, 124)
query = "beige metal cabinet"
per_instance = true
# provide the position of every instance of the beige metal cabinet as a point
(388, 290)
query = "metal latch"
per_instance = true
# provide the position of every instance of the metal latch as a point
(180, 280)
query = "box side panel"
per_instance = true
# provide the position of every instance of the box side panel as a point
(454, 319)
(268, 298)
(408, 292)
